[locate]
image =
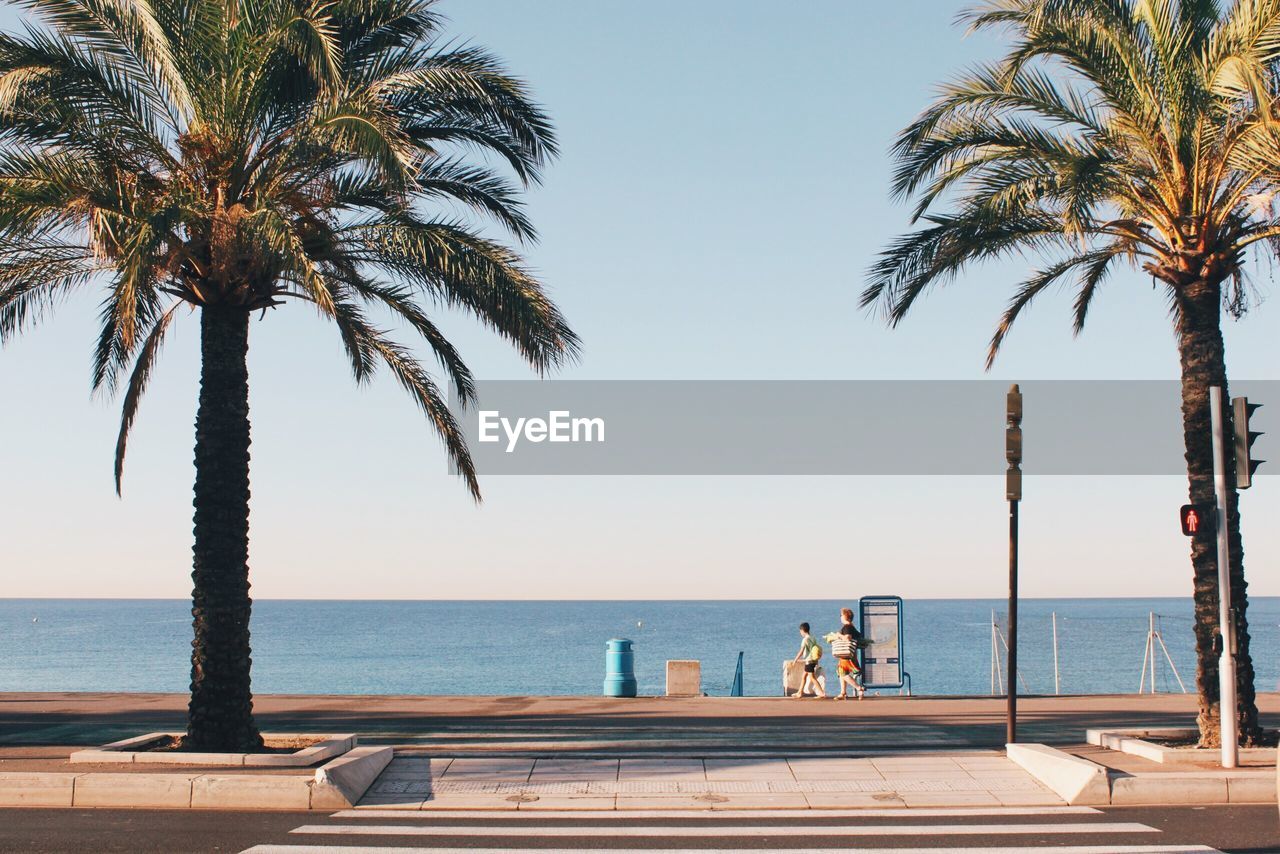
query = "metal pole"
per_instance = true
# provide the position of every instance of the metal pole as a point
(1227, 661)
(1146, 657)
(1057, 683)
(995, 666)
(1151, 644)
(1011, 733)
(1013, 492)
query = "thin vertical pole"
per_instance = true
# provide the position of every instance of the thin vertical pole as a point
(994, 664)
(1011, 733)
(1146, 658)
(995, 647)
(1151, 644)
(1169, 658)
(1227, 662)
(1057, 683)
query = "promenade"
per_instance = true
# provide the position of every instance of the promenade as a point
(459, 726)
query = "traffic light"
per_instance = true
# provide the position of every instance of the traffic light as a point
(1246, 465)
(1197, 518)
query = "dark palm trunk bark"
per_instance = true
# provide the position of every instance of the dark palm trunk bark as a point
(220, 715)
(1204, 365)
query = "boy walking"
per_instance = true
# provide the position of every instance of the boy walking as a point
(810, 653)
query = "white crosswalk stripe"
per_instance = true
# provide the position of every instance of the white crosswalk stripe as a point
(729, 830)
(893, 812)
(972, 830)
(950, 849)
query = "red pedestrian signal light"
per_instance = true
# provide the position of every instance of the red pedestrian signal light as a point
(1197, 519)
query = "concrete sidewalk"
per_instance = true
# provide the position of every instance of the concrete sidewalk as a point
(703, 726)
(976, 779)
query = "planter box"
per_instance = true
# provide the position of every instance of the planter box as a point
(1133, 741)
(134, 750)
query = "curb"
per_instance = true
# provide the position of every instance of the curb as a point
(337, 785)
(1080, 782)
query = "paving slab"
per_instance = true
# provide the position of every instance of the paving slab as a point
(390, 802)
(588, 803)
(661, 769)
(469, 802)
(1028, 799)
(684, 802)
(950, 799)
(794, 801)
(852, 800)
(748, 769)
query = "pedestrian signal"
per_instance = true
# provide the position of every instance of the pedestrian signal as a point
(1197, 518)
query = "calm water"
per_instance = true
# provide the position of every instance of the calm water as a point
(558, 647)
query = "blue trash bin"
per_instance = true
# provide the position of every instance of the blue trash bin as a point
(619, 669)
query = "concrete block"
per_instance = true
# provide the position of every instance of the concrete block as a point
(251, 791)
(684, 678)
(96, 756)
(21, 789)
(121, 751)
(1077, 781)
(1254, 789)
(342, 782)
(168, 791)
(184, 758)
(1167, 789)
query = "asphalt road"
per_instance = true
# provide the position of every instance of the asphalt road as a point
(1132, 829)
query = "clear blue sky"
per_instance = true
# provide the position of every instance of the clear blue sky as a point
(722, 189)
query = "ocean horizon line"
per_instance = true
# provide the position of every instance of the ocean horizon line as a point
(603, 600)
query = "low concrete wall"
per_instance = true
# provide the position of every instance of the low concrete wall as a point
(1077, 781)
(1133, 741)
(338, 785)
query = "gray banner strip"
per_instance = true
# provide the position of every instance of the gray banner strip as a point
(830, 427)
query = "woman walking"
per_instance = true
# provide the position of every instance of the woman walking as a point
(845, 650)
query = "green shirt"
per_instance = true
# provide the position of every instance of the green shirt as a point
(810, 650)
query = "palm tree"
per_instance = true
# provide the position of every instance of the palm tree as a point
(232, 156)
(1114, 132)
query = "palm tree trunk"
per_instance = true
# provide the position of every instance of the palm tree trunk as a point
(220, 715)
(1204, 365)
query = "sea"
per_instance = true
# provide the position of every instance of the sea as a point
(557, 648)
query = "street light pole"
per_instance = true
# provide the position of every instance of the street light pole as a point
(1013, 492)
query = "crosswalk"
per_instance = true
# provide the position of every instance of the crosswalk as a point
(1010, 830)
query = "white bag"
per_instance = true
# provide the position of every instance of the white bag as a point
(793, 677)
